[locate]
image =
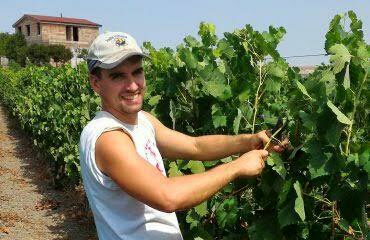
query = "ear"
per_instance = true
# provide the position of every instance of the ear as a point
(95, 83)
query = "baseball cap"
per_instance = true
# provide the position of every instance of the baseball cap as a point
(109, 49)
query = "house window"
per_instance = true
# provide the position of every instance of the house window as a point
(20, 29)
(68, 33)
(38, 29)
(28, 30)
(75, 34)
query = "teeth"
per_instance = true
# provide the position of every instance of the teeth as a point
(131, 97)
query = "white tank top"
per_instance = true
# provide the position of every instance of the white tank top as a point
(117, 215)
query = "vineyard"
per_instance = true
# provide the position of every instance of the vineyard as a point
(317, 189)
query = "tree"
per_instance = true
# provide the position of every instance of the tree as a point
(3, 40)
(38, 54)
(14, 47)
(60, 53)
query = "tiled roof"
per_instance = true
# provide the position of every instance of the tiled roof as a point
(64, 20)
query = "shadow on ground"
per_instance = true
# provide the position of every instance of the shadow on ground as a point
(68, 206)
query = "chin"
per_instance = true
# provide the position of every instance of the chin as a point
(132, 110)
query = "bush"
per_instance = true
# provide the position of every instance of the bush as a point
(38, 54)
(14, 47)
(60, 53)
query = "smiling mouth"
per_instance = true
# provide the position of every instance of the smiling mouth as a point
(131, 97)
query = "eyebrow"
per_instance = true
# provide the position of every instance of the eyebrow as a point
(119, 73)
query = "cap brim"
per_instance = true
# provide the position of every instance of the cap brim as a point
(116, 63)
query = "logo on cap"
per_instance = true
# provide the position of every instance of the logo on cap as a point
(119, 40)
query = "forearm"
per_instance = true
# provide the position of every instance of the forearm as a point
(188, 191)
(212, 147)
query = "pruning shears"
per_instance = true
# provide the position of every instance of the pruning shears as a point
(278, 133)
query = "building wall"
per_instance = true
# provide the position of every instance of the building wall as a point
(56, 34)
(34, 37)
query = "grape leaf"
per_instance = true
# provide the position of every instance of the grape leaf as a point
(340, 56)
(276, 70)
(299, 204)
(174, 170)
(154, 100)
(218, 119)
(283, 195)
(273, 85)
(192, 218)
(287, 214)
(192, 41)
(201, 209)
(217, 89)
(226, 159)
(236, 122)
(328, 78)
(307, 120)
(223, 48)
(187, 57)
(277, 164)
(196, 166)
(226, 213)
(302, 89)
(317, 158)
(266, 228)
(364, 160)
(340, 116)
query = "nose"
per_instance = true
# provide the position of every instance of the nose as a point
(133, 84)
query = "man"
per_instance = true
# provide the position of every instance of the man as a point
(121, 152)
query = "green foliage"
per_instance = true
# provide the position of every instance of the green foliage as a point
(53, 105)
(319, 190)
(218, 86)
(60, 53)
(14, 47)
(3, 40)
(82, 53)
(38, 54)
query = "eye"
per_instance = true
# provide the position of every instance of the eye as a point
(138, 71)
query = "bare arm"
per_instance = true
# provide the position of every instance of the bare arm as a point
(175, 145)
(144, 182)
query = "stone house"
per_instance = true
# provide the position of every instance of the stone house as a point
(74, 33)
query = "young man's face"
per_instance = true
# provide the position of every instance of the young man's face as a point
(122, 88)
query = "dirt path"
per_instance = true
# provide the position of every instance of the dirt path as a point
(30, 208)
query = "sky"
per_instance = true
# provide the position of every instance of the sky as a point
(165, 23)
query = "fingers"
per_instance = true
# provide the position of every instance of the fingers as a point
(282, 146)
(264, 153)
(278, 149)
(262, 164)
(264, 136)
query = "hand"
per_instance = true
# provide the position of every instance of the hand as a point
(260, 139)
(251, 163)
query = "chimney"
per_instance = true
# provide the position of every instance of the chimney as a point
(61, 15)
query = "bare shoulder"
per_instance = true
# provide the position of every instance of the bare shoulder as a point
(108, 149)
(114, 136)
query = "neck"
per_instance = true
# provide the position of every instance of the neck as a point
(129, 118)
